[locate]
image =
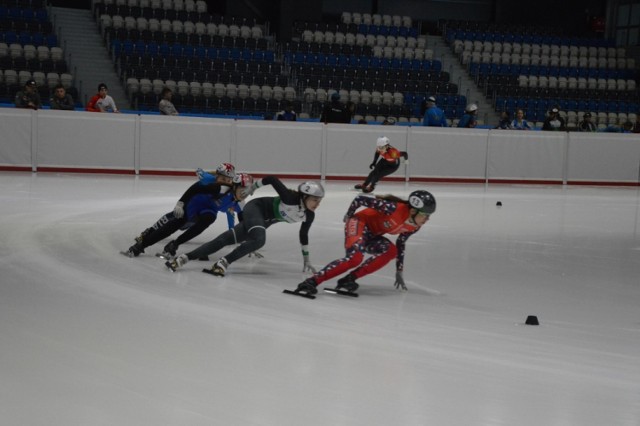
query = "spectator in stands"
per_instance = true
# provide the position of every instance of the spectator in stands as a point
(362, 121)
(165, 106)
(102, 102)
(519, 123)
(554, 121)
(28, 97)
(434, 116)
(287, 114)
(636, 125)
(335, 112)
(626, 127)
(586, 125)
(389, 121)
(61, 99)
(469, 120)
(505, 121)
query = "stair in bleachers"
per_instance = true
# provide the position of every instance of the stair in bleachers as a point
(87, 55)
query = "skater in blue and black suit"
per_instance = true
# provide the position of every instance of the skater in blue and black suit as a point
(196, 210)
(260, 213)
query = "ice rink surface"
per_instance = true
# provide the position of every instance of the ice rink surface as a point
(90, 337)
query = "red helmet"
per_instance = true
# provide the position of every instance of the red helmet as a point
(243, 180)
(226, 169)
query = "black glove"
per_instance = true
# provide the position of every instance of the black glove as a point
(372, 165)
(405, 155)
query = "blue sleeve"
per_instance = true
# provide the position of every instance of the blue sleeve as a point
(464, 121)
(231, 220)
(206, 178)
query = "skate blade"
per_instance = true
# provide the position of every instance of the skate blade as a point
(162, 256)
(127, 254)
(168, 265)
(210, 272)
(297, 293)
(340, 292)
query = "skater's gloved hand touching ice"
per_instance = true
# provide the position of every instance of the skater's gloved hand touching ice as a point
(178, 210)
(307, 266)
(400, 282)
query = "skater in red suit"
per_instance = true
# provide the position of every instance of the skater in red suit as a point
(364, 233)
(385, 162)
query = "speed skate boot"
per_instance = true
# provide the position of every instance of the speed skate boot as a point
(176, 263)
(134, 250)
(369, 188)
(220, 267)
(143, 234)
(308, 286)
(169, 250)
(347, 283)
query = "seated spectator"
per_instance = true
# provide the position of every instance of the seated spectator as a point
(553, 121)
(519, 123)
(165, 106)
(505, 121)
(362, 121)
(433, 116)
(287, 114)
(586, 125)
(389, 121)
(61, 99)
(335, 112)
(101, 102)
(469, 120)
(626, 127)
(28, 97)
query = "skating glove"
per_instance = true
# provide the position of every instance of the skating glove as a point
(307, 266)
(200, 173)
(372, 165)
(400, 282)
(178, 210)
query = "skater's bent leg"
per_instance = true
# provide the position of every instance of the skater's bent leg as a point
(202, 222)
(383, 252)
(225, 239)
(256, 238)
(163, 228)
(339, 266)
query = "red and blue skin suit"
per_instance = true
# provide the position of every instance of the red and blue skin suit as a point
(364, 233)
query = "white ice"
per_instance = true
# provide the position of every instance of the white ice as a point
(90, 337)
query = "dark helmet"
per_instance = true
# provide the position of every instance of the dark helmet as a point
(423, 201)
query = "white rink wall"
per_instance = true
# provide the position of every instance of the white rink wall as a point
(47, 140)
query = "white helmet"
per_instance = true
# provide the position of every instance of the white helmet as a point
(311, 188)
(382, 141)
(226, 169)
(243, 180)
(472, 107)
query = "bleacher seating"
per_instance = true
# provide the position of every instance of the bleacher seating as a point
(29, 49)
(538, 69)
